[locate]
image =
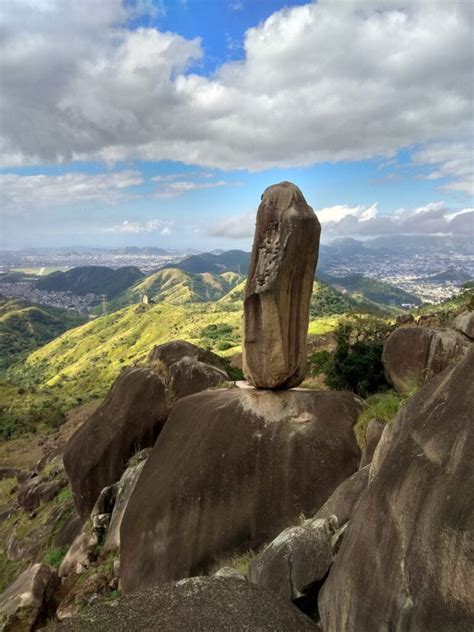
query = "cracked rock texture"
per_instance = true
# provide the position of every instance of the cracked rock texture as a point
(278, 290)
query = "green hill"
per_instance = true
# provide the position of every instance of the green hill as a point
(229, 260)
(91, 279)
(380, 293)
(84, 361)
(177, 287)
(25, 327)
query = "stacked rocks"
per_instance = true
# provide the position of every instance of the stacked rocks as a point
(279, 286)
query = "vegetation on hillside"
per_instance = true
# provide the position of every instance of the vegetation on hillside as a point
(91, 279)
(25, 327)
(380, 293)
(176, 287)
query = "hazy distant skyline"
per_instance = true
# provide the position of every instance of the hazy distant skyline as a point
(160, 122)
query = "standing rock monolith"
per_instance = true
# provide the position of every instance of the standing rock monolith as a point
(278, 290)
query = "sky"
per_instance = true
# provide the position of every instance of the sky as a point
(161, 122)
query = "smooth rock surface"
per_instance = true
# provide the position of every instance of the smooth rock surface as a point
(130, 419)
(296, 559)
(278, 290)
(372, 438)
(125, 488)
(199, 604)
(409, 543)
(231, 469)
(344, 499)
(188, 376)
(413, 355)
(465, 324)
(28, 602)
(175, 350)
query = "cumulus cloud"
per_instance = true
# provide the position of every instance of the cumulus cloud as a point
(161, 226)
(454, 161)
(325, 81)
(432, 219)
(367, 221)
(19, 192)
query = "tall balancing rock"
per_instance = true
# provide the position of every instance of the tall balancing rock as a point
(278, 290)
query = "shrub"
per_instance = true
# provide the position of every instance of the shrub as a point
(357, 361)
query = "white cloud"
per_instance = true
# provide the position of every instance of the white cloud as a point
(19, 192)
(325, 81)
(363, 220)
(454, 161)
(185, 186)
(161, 226)
(431, 219)
(237, 227)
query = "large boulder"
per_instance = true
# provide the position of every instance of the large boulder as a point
(296, 560)
(29, 601)
(231, 469)
(344, 499)
(199, 604)
(130, 419)
(278, 290)
(406, 559)
(189, 375)
(170, 352)
(38, 490)
(465, 324)
(133, 415)
(413, 355)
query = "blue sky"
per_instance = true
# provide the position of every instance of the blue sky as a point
(161, 122)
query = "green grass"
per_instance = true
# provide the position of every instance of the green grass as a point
(381, 406)
(54, 557)
(25, 327)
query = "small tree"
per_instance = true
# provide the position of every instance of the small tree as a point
(357, 361)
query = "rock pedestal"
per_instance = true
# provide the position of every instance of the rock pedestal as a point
(230, 470)
(278, 290)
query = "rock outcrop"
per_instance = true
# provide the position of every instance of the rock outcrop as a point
(199, 604)
(28, 602)
(130, 419)
(406, 559)
(465, 324)
(125, 487)
(278, 290)
(296, 560)
(344, 499)
(372, 438)
(231, 469)
(413, 355)
(133, 415)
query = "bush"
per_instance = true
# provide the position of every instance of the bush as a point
(319, 362)
(357, 361)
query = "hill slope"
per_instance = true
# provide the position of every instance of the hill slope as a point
(24, 327)
(91, 279)
(178, 287)
(364, 288)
